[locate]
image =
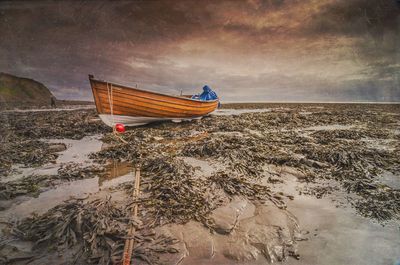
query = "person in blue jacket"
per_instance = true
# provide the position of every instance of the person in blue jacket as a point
(208, 94)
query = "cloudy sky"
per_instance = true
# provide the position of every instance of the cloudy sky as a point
(271, 50)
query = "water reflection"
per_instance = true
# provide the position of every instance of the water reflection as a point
(116, 169)
(117, 172)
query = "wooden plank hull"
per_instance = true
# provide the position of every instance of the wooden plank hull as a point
(131, 106)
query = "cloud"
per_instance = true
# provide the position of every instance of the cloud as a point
(273, 49)
(357, 17)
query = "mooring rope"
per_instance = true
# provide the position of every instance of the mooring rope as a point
(129, 242)
(111, 102)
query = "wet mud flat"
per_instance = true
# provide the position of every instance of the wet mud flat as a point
(249, 184)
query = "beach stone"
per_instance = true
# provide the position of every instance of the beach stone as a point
(227, 217)
(57, 147)
(196, 242)
(271, 231)
(240, 251)
(263, 232)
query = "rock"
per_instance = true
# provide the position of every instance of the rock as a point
(196, 241)
(226, 218)
(262, 232)
(271, 230)
(240, 251)
(200, 244)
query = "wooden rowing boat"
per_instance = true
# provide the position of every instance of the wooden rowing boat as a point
(132, 106)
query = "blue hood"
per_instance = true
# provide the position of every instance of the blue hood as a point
(208, 94)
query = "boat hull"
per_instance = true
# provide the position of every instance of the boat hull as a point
(111, 120)
(131, 106)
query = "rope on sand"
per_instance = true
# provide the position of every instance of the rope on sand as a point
(119, 136)
(126, 259)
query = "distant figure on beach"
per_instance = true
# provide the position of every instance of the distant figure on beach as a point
(53, 102)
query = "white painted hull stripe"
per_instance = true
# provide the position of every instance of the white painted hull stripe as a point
(111, 120)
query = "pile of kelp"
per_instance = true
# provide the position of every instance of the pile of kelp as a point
(95, 231)
(238, 185)
(22, 134)
(73, 124)
(173, 193)
(358, 167)
(14, 150)
(290, 137)
(345, 158)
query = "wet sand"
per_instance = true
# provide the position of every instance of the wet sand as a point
(291, 183)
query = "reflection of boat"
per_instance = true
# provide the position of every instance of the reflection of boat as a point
(115, 170)
(131, 106)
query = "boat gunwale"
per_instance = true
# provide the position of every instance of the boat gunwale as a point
(151, 92)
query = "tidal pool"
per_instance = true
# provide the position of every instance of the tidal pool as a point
(335, 234)
(117, 172)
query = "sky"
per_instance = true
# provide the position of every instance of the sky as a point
(255, 50)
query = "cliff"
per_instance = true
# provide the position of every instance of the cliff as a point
(22, 92)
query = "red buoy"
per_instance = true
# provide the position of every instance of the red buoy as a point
(119, 127)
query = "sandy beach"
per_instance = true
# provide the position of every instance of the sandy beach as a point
(248, 184)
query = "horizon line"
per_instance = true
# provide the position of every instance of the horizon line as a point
(303, 102)
(316, 102)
